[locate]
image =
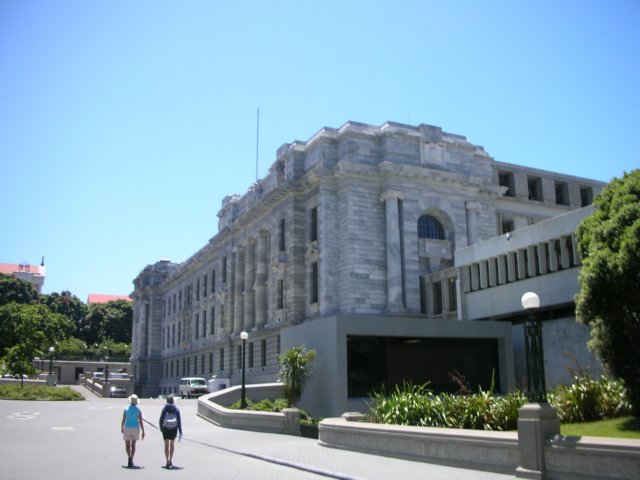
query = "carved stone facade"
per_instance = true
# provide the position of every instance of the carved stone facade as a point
(343, 237)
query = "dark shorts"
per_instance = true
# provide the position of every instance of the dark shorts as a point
(169, 433)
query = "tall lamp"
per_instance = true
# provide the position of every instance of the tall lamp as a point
(243, 398)
(536, 388)
(51, 350)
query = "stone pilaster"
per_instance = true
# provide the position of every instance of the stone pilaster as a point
(238, 300)
(249, 292)
(261, 281)
(394, 254)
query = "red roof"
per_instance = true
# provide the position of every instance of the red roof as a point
(100, 298)
(11, 268)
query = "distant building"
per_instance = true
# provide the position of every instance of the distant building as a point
(101, 298)
(34, 274)
(398, 253)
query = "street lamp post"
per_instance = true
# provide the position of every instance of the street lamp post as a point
(537, 419)
(106, 369)
(51, 350)
(536, 389)
(243, 398)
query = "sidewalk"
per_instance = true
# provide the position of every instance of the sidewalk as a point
(307, 455)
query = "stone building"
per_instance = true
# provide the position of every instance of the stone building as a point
(350, 246)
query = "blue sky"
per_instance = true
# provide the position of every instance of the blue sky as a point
(123, 124)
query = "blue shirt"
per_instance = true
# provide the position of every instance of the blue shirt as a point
(132, 413)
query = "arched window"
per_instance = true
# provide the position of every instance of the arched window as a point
(430, 227)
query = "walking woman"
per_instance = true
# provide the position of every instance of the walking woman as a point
(171, 426)
(131, 427)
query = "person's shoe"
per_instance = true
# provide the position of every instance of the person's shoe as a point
(168, 465)
(130, 463)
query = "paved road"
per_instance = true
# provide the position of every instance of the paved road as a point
(82, 440)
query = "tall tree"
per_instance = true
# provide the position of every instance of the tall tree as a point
(53, 327)
(66, 304)
(112, 320)
(609, 298)
(15, 290)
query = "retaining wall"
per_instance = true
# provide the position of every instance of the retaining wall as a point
(583, 458)
(213, 408)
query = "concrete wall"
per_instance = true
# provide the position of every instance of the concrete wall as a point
(327, 393)
(212, 407)
(585, 458)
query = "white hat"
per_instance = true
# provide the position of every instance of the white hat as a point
(133, 399)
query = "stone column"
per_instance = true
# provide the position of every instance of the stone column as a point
(261, 280)
(394, 254)
(537, 423)
(238, 300)
(472, 222)
(249, 293)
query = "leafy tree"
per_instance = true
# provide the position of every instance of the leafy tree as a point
(295, 372)
(609, 298)
(29, 339)
(71, 347)
(67, 304)
(15, 290)
(112, 320)
(16, 326)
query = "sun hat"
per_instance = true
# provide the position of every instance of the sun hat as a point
(133, 399)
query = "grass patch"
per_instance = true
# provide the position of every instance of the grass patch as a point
(623, 427)
(38, 392)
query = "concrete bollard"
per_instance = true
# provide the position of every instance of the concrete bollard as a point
(291, 421)
(537, 423)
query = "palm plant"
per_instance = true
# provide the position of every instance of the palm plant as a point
(295, 372)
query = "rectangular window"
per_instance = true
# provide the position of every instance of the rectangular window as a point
(204, 323)
(174, 303)
(278, 345)
(224, 269)
(437, 298)
(210, 362)
(562, 193)
(313, 224)
(505, 179)
(212, 321)
(280, 303)
(204, 287)
(202, 364)
(250, 354)
(507, 226)
(535, 188)
(586, 196)
(281, 243)
(314, 283)
(453, 295)
(423, 295)
(239, 357)
(198, 290)
(263, 353)
(213, 281)
(221, 360)
(197, 324)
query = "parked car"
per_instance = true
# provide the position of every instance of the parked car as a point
(117, 391)
(193, 386)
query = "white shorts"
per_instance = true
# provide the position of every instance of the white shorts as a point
(131, 434)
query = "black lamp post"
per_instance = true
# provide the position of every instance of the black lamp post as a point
(51, 350)
(243, 398)
(536, 388)
(106, 369)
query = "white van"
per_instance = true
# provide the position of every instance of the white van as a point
(193, 386)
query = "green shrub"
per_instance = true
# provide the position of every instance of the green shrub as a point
(38, 392)
(588, 399)
(417, 405)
